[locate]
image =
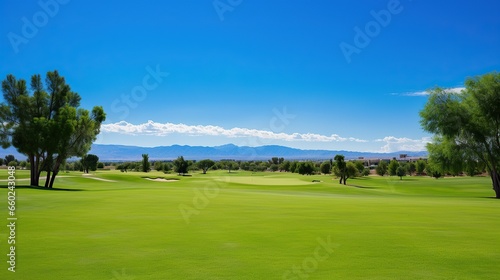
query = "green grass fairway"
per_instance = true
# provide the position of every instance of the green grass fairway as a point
(265, 180)
(246, 225)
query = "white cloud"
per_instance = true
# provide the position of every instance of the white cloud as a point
(395, 144)
(162, 129)
(425, 93)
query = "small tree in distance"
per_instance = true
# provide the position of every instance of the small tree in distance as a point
(89, 162)
(420, 166)
(158, 166)
(205, 164)
(381, 168)
(145, 165)
(181, 165)
(341, 165)
(400, 171)
(9, 158)
(305, 168)
(393, 167)
(411, 168)
(326, 167)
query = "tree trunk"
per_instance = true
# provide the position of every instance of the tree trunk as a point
(52, 179)
(33, 171)
(56, 171)
(47, 181)
(38, 169)
(495, 178)
(39, 173)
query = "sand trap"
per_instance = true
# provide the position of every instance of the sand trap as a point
(90, 176)
(101, 179)
(161, 180)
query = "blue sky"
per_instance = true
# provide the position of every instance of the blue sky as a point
(337, 75)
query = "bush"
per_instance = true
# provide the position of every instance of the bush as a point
(366, 172)
(326, 167)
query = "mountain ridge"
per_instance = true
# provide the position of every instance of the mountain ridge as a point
(111, 152)
(230, 151)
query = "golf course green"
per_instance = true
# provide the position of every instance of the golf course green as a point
(243, 225)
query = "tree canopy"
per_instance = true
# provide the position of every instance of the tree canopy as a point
(44, 122)
(305, 168)
(381, 168)
(205, 164)
(181, 165)
(145, 165)
(468, 122)
(89, 162)
(326, 167)
(344, 170)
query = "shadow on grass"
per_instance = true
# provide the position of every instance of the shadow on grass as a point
(45, 189)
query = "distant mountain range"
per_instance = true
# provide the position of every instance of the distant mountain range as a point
(230, 151)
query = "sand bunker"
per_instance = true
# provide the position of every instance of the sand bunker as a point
(161, 180)
(90, 176)
(101, 179)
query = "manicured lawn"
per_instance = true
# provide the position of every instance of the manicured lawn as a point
(253, 226)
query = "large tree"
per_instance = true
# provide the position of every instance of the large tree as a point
(46, 124)
(470, 120)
